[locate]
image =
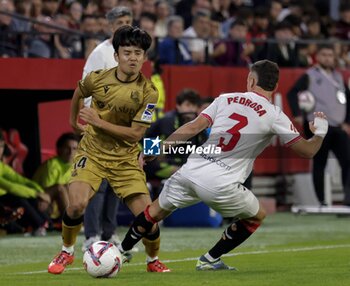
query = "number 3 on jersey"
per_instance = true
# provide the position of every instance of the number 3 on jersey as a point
(234, 131)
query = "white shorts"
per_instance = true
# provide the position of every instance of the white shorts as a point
(233, 201)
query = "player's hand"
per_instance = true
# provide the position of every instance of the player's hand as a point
(320, 124)
(90, 116)
(79, 128)
(143, 159)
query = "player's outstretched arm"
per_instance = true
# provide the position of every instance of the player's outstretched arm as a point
(309, 148)
(131, 134)
(188, 130)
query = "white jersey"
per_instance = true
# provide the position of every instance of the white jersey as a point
(102, 57)
(242, 124)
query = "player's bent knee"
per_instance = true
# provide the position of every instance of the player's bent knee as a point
(76, 209)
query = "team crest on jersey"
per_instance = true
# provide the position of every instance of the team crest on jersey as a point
(100, 104)
(135, 96)
(148, 112)
(106, 88)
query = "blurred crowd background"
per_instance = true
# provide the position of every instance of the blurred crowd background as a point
(216, 32)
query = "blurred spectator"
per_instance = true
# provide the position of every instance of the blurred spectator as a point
(104, 28)
(23, 7)
(8, 40)
(275, 10)
(50, 7)
(53, 175)
(42, 44)
(162, 13)
(282, 51)
(136, 11)
(243, 13)
(36, 9)
(197, 38)
(149, 6)
(187, 9)
(260, 28)
(342, 31)
(75, 13)
(236, 49)
(17, 191)
(106, 5)
(90, 25)
(65, 43)
(342, 54)
(294, 7)
(173, 50)
(92, 8)
(215, 27)
(148, 23)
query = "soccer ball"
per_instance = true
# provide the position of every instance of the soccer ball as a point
(306, 101)
(102, 260)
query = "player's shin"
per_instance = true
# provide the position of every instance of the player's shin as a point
(141, 226)
(233, 236)
(151, 241)
(70, 229)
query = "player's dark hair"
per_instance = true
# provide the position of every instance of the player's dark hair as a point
(189, 95)
(127, 36)
(66, 137)
(267, 73)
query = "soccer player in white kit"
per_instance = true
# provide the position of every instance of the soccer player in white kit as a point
(242, 125)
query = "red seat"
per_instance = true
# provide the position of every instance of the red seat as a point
(20, 150)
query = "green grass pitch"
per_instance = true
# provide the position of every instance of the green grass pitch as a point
(286, 250)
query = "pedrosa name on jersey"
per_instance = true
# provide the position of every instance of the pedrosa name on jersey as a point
(247, 102)
(192, 149)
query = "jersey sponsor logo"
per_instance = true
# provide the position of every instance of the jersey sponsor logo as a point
(148, 112)
(106, 88)
(247, 102)
(216, 161)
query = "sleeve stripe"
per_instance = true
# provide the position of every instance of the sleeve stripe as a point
(208, 118)
(143, 122)
(293, 141)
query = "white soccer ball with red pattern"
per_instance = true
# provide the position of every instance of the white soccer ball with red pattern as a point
(102, 260)
(306, 101)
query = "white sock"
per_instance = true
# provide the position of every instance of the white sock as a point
(68, 249)
(209, 257)
(151, 259)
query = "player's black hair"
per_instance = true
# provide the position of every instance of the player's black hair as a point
(66, 137)
(190, 95)
(127, 36)
(267, 73)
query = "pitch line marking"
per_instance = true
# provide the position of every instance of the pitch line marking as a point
(302, 249)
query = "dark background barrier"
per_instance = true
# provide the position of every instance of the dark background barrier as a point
(35, 99)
